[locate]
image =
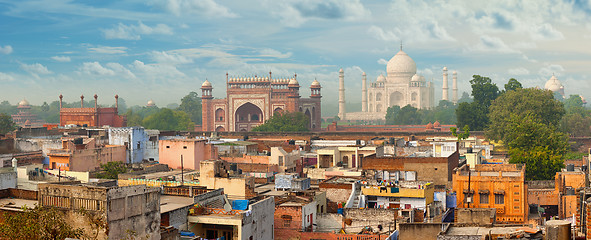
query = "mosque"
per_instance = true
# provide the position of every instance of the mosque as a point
(554, 85)
(400, 87)
(252, 100)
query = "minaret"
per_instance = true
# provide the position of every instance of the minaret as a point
(445, 93)
(454, 88)
(364, 93)
(341, 94)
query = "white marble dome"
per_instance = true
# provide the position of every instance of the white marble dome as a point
(401, 63)
(416, 78)
(381, 78)
(206, 84)
(553, 84)
(293, 81)
(315, 84)
(23, 103)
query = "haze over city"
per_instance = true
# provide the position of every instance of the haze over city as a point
(161, 50)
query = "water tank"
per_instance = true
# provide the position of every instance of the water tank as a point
(570, 167)
(558, 229)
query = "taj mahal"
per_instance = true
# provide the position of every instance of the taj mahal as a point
(400, 87)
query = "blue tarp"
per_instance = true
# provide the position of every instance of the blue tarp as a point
(187, 234)
(240, 204)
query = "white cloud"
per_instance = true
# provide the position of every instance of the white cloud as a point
(551, 69)
(294, 13)
(546, 32)
(491, 44)
(120, 70)
(380, 34)
(61, 58)
(134, 32)
(5, 77)
(107, 50)
(518, 71)
(198, 7)
(95, 68)
(268, 52)
(156, 70)
(6, 49)
(35, 68)
(170, 58)
(382, 61)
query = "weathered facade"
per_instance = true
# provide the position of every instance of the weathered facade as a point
(134, 139)
(250, 101)
(123, 209)
(192, 151)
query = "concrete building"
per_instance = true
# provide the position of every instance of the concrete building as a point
(124, 209)
(345, 156)
(499, 186)
(151, 151)
(214, 216)
(135, 139)
(294, 215)
(83, 155)
(92, 116)
(338, 190)
(192, 151)
(417, 195)
(252, 100)
(8, 178)
(215, 174)
(431, 169)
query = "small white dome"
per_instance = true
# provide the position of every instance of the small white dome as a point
(381, 78)
(401, 63)
(206, 84)
(455, 72)
(444, 68)
(341, 70)
(293, 81)
(151, 103)
(416, 78)
(553, 84)
(315, 84)
(23, 103)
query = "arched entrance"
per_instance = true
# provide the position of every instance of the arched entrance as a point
(220, 129)
(277, 110)
(247, 117)
(309, 116)
(396, 99)
(220, 114)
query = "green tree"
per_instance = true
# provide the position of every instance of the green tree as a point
(391, 114)
(191, 104)
(6, 123)
(285, 122)
(36, 224)
(475, 114)
(577, 121)
(512, 85)
(465, 98)
(521, 102)
(460, 136)
(166, 119)
(574, 104)
(112, 169)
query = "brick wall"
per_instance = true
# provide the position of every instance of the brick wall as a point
(286, 228)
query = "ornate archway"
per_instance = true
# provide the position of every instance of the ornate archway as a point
(248, 116)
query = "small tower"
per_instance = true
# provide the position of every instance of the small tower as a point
(206, 107)
(445, 95)
(454, 88)
(95, 101)
(81, 101)
(364, 93)
(315, 89)
(341, 94)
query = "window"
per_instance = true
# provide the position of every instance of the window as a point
(484, 198)
(286, 220)
(184, 147)
(280, 160)
(254, 117)
(167, 146)
(499, 199)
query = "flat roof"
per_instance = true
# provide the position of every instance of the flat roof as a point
(170, 203)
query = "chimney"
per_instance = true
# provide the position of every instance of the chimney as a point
(95, 100)
(81, 101)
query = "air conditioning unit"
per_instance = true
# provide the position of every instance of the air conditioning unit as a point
(469, 199)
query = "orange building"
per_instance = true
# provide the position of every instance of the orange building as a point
(92, 116)
(500, 186)
(193, 151)
(82, 155)
(252, 100)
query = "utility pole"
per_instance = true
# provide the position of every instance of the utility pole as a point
(182, 172)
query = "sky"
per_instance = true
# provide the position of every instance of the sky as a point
(164, 49)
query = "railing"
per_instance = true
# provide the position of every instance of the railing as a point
(222, 211)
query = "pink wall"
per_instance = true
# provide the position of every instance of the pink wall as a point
(192, 150)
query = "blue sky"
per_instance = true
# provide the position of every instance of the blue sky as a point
(161, 50)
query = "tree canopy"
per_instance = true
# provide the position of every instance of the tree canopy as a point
(526, 120)
(285, 122)
(474, 114)
(191, 104)
(38, 223)
(408, 115)
(513, 84)
(6, 123)
(577, 121)
(111, 170)
(166, 119)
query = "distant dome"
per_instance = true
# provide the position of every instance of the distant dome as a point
(437, 124)
(293, 81)
(315, 84)
(151, 103)
(553, 84)
(206, 84)
(381, 78)
(23, 103)
(401, 64)
(429, 126)
(416, 78)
